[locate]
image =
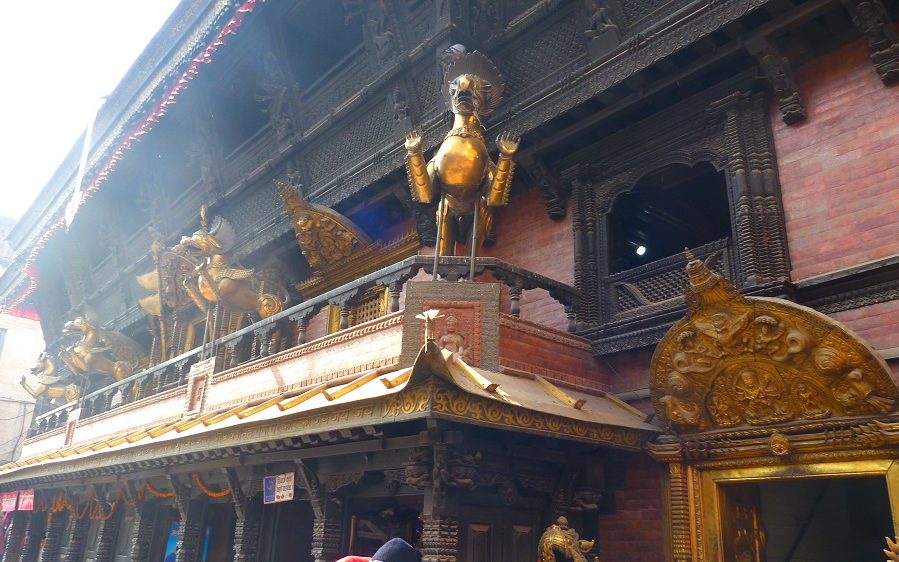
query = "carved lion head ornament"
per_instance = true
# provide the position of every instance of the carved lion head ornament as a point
(473, 85)
(753, 361)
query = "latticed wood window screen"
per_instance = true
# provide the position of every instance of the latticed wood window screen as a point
(373, 304)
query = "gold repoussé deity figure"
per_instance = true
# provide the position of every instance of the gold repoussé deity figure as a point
(461, 170)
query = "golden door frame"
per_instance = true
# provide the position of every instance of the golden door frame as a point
(710, 518)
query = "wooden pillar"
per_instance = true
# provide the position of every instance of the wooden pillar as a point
(56, 526)
(14, 537)
(440, 539)
(34, 532)
(142, 531)
(327, 533)
(189, 536)
(327, 526)
(77, 537)
(249, 515)
(107, 535)
(246, 533)
(440, 525)
(191, 519)
(679, 510)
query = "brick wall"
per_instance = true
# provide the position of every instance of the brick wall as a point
(878, 324)
(839, 170)
(528, 238)
(555, 355)
(636, 529)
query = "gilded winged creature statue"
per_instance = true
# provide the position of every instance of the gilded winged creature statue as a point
(462, 173)
(100, 352)
(560, 543)
(216, 278)
(47, 380)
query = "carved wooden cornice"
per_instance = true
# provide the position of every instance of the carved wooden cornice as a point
(854, 287)
(834, 440)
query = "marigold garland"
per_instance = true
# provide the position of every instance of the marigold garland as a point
(61, 503)
(158, 493)
(97, 510)
(207, 491)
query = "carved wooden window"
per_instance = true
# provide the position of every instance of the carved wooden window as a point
(373, 304)
(194, 334)
(669, 209)
(716, 137)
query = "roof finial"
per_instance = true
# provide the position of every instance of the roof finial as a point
(689, 254)
(430, 317)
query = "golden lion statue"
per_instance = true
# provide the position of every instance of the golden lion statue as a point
(561, 543)
(46, 380)
(100, 352)
(216, 278)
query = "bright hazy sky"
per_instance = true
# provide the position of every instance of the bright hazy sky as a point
(57, 59)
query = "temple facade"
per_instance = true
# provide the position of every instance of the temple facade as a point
(512, 280)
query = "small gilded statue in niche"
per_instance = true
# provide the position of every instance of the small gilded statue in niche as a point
(462, 173)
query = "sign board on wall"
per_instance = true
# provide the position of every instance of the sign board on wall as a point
(8, 501)
(278, 488)
(26, 500)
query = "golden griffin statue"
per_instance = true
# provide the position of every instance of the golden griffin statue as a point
(101, 352)
(218, 278)
(462, 173)
(561, 543)
(47, 380)
(202, 267)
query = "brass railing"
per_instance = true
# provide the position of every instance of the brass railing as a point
(275, 334)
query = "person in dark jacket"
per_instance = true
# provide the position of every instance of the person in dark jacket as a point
(396, 550)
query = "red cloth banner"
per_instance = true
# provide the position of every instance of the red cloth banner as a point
(26, 500)
(8, 501)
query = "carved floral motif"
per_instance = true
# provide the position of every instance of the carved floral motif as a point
(738, 360)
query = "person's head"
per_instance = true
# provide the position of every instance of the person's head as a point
(396, 550)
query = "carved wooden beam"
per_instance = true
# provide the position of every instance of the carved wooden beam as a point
(776, 68)
(873, 20)
(327, 528)
(554, 189)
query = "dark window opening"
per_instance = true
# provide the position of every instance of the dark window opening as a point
(319, 37)
(669, 209)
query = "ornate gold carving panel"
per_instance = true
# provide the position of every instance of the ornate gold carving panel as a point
(738, 361)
